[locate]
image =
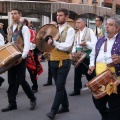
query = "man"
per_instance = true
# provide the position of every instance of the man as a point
(100, 29)
(85, 39)
(18, 33)
(49, 81)
(106, 55)
(34, 54)
(60, 62)
(33, 59)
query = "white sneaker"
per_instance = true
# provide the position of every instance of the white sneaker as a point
(85, 88)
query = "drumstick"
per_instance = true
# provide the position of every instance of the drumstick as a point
(86, 66)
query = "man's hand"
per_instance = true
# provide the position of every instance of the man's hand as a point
(116, 59)
(91, 69)
(50, 41)
(19, 61)
(73, 54)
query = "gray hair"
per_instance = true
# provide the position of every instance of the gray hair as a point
(116, 19)
(83, 19)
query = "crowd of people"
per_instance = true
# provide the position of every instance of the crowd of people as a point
(100, 45)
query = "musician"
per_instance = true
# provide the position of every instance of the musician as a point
(106, 55)
(100, 29)
(60, 62)
(49, 81)
(35, 54)
(17, 33)
(85, 39)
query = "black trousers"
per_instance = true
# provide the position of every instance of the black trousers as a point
(78, 72)
(60, 76)
(33, 79)
(49, 73)
(17, 73)
(33, 74)
(113, 113)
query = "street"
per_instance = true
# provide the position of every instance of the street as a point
(81, 107)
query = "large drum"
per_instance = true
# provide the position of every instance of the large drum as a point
(98, 84)
(9, 55)
(77, 58)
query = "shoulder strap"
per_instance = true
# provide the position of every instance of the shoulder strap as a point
(18, 33)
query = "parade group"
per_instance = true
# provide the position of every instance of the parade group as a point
(100, 65)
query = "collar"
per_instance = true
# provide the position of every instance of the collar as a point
(83, 29)
(114, 37)
(63, 25)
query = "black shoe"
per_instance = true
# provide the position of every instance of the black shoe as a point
(74, 93)
(63, 110)
(9, 108)
(33, 103)
(51, 115)
(1, 81)
(47, 84)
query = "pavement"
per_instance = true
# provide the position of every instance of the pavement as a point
(81, 107)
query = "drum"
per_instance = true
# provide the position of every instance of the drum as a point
(98, 84)
(9, 55)
(77, 58)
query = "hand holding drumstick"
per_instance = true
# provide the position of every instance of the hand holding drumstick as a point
(91, 69)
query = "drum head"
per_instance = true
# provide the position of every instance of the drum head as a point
(9, 64)
(44, 31)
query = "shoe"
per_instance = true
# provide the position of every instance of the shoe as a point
(51, 115)
(34, 91)
(74, 93)
(9, 108)
(33, 103)
(85, 88)
(47, 84)
(1, 81)
(63, 110)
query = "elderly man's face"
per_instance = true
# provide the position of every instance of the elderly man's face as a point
(111, 28)
(80, 24)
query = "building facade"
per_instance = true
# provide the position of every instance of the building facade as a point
(44, 10)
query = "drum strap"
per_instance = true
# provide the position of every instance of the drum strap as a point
(105, 46)
(18, 33)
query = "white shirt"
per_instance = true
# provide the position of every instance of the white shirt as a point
(2, 42)
(32, 46)
(65, 46)
(26, 38)
(89, 44)
(102, 56)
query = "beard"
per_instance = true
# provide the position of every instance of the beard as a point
(108, 33)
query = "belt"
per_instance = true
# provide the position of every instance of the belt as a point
(110, 65)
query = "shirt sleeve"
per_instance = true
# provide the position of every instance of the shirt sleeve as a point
(92, 57)
(92, 42)
(26, 38)
(74, 45)
(65, 46)
(32, 46)
(1, 40)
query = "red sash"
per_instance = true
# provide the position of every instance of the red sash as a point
(31, 64)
